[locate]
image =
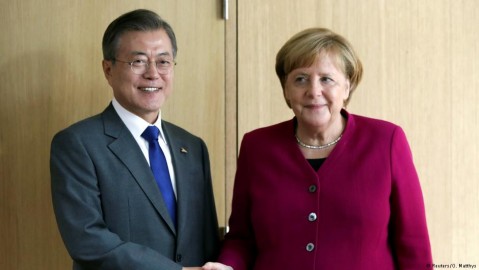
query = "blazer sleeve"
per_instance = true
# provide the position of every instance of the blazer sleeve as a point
(77, 204)
(239, 246)
(409, 232)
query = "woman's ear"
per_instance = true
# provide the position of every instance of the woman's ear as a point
(347, 90)
(347, 93)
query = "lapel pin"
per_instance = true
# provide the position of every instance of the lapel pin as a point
(183, 150)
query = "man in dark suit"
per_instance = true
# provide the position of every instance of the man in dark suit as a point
(110, 210)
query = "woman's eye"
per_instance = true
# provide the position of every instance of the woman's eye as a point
(301, 79)
(326, 80)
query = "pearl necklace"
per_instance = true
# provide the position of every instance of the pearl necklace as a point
(317, 147)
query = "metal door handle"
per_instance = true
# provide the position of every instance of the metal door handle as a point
(225, 9)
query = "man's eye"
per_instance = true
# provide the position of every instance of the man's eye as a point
(138, 62)
(164, 62)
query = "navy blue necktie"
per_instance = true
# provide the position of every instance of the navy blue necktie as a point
(160, 169)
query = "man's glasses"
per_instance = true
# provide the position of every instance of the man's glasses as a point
(140, 67)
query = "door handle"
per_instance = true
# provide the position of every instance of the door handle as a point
(225, 10)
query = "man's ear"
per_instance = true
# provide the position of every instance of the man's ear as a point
(107, 65)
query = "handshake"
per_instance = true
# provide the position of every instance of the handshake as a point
(210, 266)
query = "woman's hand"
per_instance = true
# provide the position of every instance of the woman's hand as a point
(216, 266)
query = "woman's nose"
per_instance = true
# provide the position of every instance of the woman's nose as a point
(315, 89)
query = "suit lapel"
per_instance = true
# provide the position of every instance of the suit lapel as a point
(127, 150)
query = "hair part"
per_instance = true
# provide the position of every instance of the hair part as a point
(302, 49)
(137, 20)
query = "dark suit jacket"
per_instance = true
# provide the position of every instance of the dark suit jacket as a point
(109, 210)
(363, 209)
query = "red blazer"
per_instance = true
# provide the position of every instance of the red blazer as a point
(363, 209)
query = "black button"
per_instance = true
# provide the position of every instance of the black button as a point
(312, 188)
(178, 258)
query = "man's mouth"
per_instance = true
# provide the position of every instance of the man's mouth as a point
(149, 89)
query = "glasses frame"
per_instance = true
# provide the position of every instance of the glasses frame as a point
(161, 70)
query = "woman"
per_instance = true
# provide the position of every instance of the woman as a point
(326, 189)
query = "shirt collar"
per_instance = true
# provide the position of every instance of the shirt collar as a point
(134, 123)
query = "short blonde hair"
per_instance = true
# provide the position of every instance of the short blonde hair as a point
(302, 49)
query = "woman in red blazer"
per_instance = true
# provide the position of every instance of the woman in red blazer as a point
(328, 189)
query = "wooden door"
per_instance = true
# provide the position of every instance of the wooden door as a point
(51, 76)
(421, 72)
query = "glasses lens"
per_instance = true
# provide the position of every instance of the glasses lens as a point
(163, 66)
(139, 66)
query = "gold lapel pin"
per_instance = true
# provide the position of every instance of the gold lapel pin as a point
(183, 150)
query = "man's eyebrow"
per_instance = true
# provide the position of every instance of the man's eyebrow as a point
(144, 54)
(138, 53)
(164, 53)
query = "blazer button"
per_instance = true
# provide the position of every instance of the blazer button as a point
(310, 247)
(312, 188)
(178, 258)
(312, 217)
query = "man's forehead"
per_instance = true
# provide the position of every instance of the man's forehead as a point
(145, 42)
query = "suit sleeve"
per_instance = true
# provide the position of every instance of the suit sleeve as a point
(210, 224)
(77, 204)
(408, 227)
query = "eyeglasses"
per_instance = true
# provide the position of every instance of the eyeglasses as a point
(140, 67)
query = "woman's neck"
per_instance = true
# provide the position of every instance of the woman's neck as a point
(319, 142)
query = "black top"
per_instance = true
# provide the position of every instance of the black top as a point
(316, 163)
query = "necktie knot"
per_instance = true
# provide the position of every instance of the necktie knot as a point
(151, 133)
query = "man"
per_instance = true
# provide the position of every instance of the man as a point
(113, 206)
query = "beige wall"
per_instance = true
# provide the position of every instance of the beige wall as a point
(421, 72)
